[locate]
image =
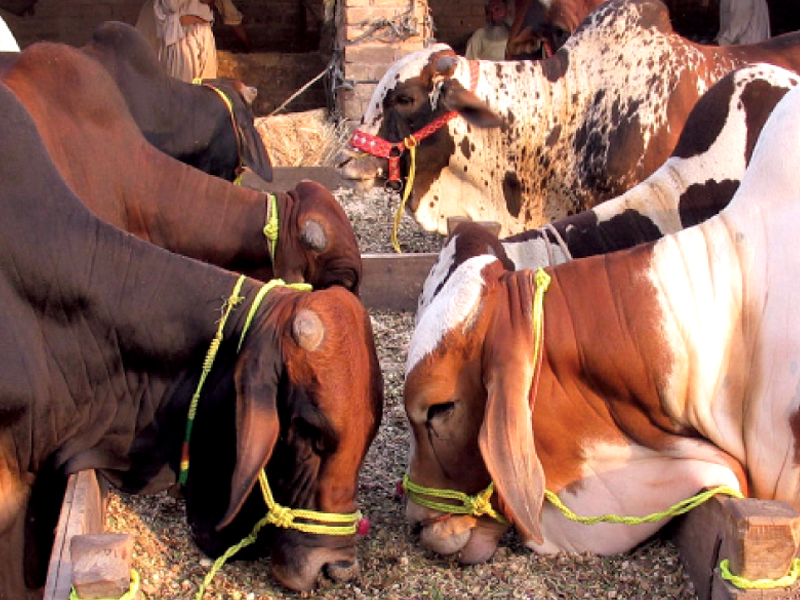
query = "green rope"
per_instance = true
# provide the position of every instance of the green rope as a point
(272, 227)
(760, 584)
(133, 590)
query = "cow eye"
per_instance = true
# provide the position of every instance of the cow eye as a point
(440, 410)
(403, 100)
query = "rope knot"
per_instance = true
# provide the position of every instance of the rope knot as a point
(411, 142)
(280, 516)
(481, 504)
(542, 280)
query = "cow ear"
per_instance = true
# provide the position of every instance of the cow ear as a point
(474, 110)
(506, 436)
(257, 426)
(248, 93)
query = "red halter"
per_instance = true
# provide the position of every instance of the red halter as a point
(377, 146)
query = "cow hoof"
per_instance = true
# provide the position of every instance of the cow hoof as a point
(342, 570)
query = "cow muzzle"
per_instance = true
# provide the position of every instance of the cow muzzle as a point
(298, 568)
(356, 167)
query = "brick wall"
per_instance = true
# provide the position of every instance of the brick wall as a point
(291, 44)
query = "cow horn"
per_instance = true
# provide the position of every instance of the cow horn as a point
(308, 330)
(313, 235)
(446, 65)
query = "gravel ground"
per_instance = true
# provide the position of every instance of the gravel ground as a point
(393, 565)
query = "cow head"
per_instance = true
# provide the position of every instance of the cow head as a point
(467, 240)
(470, 367)
(316, 242)
(416, 97)
(306, 412)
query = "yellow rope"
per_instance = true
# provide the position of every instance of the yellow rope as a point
(272, 227)
(477, 505)
(760, 584)
(133, 590)
(410, 143)
(280, 516)
(680, 508)
(232, 302)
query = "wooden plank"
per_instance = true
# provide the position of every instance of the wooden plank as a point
(760, 539)
(82, 512)
(394, 281)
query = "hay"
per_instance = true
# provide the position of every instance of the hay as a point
(303, 139)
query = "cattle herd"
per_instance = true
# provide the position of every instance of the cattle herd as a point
(626, 342)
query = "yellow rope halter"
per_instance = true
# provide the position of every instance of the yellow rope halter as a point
(478, 505)
(411, 143)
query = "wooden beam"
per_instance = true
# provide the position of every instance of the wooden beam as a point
(82, 512)
(760, 539)
(394, 281)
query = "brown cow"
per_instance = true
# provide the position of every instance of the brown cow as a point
(104, 339)
(103, 156)
(579, 128)
(650, 374)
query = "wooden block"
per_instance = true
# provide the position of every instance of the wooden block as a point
(762, 538)
(101, 564)
(758, 537)
(394, 281)
(82, 512)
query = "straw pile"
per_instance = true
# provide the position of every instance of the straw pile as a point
(309, 139)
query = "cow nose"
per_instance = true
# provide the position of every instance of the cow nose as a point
(342, 570)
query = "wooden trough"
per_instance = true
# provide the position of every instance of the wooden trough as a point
(760, 538)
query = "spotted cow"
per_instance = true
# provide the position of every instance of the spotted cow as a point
(527, 142)
(532, 408)
(695, 183)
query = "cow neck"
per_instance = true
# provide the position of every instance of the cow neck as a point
(392, 151)
(230, 304)
(229, 106)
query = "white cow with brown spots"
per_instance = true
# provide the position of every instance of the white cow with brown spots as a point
(696, 182)
(523, 142)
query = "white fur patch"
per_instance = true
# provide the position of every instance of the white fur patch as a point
(456, 305)
(728, 294)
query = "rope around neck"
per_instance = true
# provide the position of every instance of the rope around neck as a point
(231, 303)
(411, 143)
(272, 226)
(229, 105)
